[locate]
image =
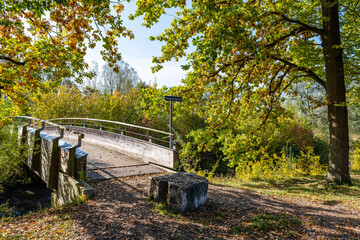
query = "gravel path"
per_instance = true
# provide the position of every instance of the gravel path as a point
(119, 210)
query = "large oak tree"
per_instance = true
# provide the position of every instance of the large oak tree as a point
(250, 53)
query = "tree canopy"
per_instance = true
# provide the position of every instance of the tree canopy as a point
(43, 36)
(249, 54)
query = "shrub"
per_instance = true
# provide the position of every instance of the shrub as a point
(283, 148)
(280, 166)
(11, 155)
(68, 101)
(355, 158)
(62, 101)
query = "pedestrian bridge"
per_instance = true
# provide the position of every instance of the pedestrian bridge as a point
(67, 152)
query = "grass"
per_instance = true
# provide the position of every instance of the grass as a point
(6, 210)
(314, 188)
(272, 222)
(272, 225)
(163, 209)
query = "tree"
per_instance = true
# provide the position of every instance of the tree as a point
(249, 53)
(94, 81)
(38, 37)
(122, 80)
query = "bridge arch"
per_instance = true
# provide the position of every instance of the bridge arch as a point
(145, 144)
(63, 166)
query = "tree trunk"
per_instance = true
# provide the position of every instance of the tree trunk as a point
(338, 170)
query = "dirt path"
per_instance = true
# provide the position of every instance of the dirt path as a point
(120, 211)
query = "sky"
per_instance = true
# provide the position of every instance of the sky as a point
(139, 51)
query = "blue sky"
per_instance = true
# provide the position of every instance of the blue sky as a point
(139, 51)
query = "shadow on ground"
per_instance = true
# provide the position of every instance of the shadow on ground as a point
(120, 210)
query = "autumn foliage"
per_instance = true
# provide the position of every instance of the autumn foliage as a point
(52, 37)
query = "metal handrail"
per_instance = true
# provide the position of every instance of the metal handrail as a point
(81, 122)
(109, 121)
(62, 128)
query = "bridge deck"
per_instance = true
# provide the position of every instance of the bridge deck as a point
(105, 163)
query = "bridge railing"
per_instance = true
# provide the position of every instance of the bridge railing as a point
(144, 133)
(40, 124)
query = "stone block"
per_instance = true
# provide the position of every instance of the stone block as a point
(180, 191)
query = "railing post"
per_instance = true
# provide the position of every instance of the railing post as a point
(61, 133)
(121, 130)
(148, 136)
(80, 136)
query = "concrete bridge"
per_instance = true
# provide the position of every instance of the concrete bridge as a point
(67, 152)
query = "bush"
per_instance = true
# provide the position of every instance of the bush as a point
(355, 158)
(280, 166)
(11, 156)
(60, 102)
(68, 101)
(282, 148)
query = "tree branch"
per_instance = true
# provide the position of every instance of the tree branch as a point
(292, 33)
(13, 61)
(232, 90)
(46, 30)
(274, 77)
(311, 74)
(306, 26)
(273, 98)
(242, 61)
(282, 79)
